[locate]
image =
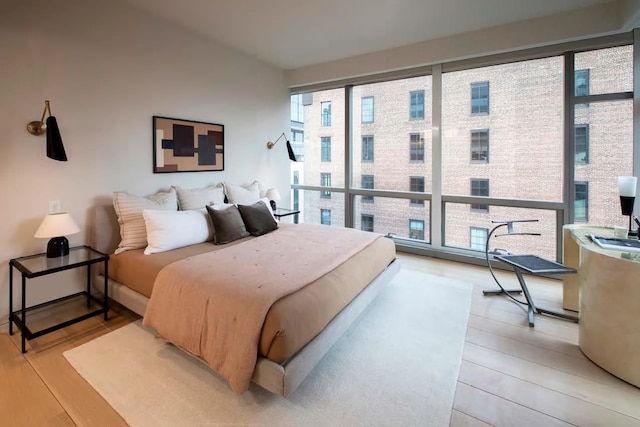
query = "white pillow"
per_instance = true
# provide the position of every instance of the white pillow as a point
(198, 198)
(242, 194)
(168, 230)
(129, 209)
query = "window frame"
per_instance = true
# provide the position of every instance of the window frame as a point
(413, 107)
(362, 109)
(471, 238)
(325, 149)
(367, 145)
(368, 217)
(367, 199)
(478, 207)
(586, 144)
(476, 142)
(325, 181)
(586, 201)
(411, 229)
(414, 150)
(416, 202)
(325, 114)
(479, 86)
(323, 214)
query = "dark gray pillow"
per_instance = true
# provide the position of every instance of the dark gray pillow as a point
(257, 218)
(227, 225)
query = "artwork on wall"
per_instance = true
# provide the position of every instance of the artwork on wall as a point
(187, 146)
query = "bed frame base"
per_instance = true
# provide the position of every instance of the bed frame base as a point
(284, 378)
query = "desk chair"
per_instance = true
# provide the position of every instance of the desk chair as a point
(532, 264)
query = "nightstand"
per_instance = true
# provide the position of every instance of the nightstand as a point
(282, 212)
(39, 265)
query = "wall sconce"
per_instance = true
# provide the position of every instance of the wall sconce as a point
(55, 149)
(292, 156)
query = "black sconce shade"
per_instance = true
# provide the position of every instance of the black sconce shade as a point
(55, 149)
(292, 155)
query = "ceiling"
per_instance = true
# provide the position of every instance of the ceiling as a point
(296, 33)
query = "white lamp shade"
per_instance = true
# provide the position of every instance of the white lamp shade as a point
(273, 194)
(627, 186)
(57, 225)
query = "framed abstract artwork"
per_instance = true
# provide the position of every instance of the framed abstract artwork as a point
(187, 146)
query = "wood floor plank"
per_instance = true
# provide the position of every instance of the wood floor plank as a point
(564, 330)
(623, 401)
(499, 412)
(83, 404)
(541, 399)
(524, 333)
(460, 419)
(578, 366)
(21, 389)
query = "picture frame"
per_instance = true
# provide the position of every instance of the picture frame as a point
(181, 145)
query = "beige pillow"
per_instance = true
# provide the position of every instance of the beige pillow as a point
(129, 209)
(242, 194)
(198, 198)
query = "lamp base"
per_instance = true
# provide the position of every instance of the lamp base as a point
(57, 247)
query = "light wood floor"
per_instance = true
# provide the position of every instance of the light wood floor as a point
(511, 375)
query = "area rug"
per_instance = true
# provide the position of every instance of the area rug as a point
(397, 365)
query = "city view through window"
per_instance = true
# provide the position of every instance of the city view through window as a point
(503, 156)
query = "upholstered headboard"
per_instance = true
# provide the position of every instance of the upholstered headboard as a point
(103, 229)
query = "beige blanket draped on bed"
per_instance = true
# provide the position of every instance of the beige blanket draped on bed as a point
(213, 305)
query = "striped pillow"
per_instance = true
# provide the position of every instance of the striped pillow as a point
(129, 207)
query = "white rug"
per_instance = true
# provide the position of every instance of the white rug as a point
(396, 366)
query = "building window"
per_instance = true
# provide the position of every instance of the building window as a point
(582, 144)
(416, 147)
(478, 238)
(416, 110)
(325, 181)
(367, 109)
(581, 210)
(480, 146)
(325, 108)
(367, 148)
(480, 98)
(296, 195)
(297, 109)
(581, 83)
(366, 222)
(325, 149)
(325, 216)
(416, 184)
(416, 229)
(367, 182)
(479, 187)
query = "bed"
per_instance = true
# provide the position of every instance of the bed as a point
(288, 349)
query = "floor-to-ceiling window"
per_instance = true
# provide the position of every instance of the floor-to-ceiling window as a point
(503, 146)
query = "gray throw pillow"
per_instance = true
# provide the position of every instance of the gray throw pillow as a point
(227, 225)
(257, 218)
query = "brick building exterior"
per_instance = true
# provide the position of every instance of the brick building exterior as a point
(502, 136)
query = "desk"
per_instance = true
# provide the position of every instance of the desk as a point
(609, 302)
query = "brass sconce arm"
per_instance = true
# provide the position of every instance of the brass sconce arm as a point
(38, 127)
(270, 144)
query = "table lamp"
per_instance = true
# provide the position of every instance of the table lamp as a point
(57, 226)
(627, 189)
(273, 195)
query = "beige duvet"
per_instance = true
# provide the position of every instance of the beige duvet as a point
(213, 305)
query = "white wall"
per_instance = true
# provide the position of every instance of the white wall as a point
(107, 69)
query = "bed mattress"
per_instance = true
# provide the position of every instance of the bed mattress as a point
(293, 320)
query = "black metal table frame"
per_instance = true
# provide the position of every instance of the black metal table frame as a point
(20, 317)
(291, 212)
(532, 308)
